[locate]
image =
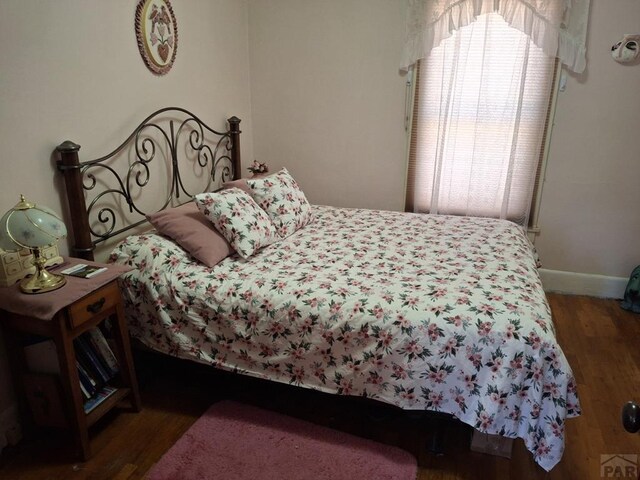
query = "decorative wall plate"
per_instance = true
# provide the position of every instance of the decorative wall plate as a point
(157, 34)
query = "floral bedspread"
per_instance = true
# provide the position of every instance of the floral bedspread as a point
(423, 312)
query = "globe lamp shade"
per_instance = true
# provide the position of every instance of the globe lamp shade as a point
(34, 227)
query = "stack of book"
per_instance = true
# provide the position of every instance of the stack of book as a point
(104, 393)
(96, 363)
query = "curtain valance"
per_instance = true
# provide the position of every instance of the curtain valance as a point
(558, 27)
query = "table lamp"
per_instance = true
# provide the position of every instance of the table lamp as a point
(34, 227)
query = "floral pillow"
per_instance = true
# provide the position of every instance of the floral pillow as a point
(238, 219)
(280, 196)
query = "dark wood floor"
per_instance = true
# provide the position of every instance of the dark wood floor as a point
(599, 339)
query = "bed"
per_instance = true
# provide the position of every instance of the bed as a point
(424, 312)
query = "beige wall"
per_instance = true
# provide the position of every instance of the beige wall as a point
(70, 69)
(327, 99)
(590, 212)
(327, 102)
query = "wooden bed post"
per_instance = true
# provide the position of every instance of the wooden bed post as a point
(234, 128)
(69, 165)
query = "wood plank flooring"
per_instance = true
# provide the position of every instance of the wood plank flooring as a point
(600, 340)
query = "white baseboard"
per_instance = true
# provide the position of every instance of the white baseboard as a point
(10, 431)
(583, 284)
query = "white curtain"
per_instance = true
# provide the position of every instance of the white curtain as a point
(483, 95)
(558, 27)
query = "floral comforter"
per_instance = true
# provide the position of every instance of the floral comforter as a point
(423, 312)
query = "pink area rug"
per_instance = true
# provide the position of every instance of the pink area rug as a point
(232, 441)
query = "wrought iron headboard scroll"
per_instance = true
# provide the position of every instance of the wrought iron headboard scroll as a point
(220, 157)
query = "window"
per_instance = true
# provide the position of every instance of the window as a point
(481, 101)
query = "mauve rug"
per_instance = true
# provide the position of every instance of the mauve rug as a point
(232, 441)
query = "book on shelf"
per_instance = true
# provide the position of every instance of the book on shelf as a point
(85, 393)
(92, 384)
(83, 270)
(90, 362)
(101, 346)
(87, 384)
(95, 362)
(99, 397)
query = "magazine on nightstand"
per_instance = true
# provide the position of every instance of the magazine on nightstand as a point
(83, 270)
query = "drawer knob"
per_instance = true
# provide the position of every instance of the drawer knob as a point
(96, 306)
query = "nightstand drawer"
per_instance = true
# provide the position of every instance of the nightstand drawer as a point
(90, 306)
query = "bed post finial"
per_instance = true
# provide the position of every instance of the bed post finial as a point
(69, 164)
(234, 129)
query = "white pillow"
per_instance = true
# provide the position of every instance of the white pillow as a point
(280, 196)
(239, 219)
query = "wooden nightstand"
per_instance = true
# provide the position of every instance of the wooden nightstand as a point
(63, 315)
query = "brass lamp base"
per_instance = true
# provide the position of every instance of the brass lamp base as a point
(41, 281)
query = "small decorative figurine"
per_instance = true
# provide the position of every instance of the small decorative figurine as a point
(258, 169)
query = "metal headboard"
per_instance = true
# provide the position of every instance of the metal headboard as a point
(160, 131)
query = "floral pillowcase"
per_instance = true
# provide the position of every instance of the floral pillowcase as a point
(238, 219)
(280, 196)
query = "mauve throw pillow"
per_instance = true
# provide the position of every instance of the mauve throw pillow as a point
(240, 183)
(193, 232)
(281, 197)
(239, 219)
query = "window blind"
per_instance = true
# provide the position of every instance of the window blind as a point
(478, 123)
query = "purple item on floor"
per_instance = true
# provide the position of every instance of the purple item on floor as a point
(232, 441)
